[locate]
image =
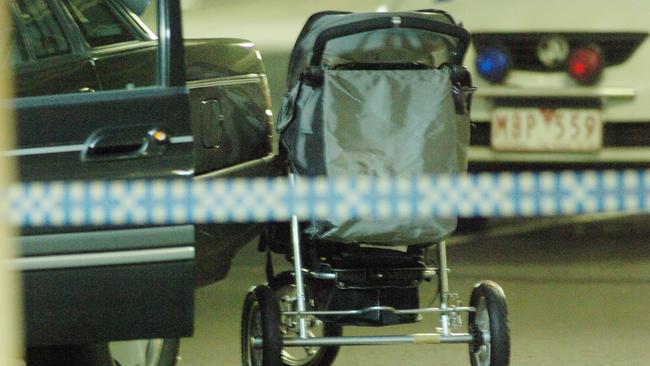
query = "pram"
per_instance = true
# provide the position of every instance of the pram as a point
(379, 94)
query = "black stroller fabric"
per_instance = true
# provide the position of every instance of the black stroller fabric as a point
(383, 106)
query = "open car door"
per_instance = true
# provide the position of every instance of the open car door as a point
(98, 284)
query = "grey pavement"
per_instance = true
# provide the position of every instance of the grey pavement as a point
(578, 293)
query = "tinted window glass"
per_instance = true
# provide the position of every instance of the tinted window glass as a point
(18, 51)
(42, 30)
(99, 25)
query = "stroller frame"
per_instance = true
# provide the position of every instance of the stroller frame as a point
(443, 335)
(262, 335)
(488, 329)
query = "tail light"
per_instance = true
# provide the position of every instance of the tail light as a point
(585, 64)
(493, 63)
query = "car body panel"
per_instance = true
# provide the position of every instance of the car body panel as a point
(134, 282)
(230, 103)
(122, 274)
(54, 144)
(104, 303)
(233, 121)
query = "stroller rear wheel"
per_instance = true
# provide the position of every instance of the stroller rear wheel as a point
(283, 286)
(261, 319)
(490, 325)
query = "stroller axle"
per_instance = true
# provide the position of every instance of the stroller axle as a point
(383, 308)
(423, 338)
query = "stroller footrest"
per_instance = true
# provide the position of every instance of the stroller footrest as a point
(378, 277)
(379, 304)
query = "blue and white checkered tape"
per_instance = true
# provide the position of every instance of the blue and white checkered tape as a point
(179, 201)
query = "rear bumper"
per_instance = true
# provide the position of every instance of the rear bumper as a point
(624, 144)
(631, 156)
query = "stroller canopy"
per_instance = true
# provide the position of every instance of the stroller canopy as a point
(393, 45)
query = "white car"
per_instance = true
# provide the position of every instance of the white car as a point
(560, 83)
(530, 111)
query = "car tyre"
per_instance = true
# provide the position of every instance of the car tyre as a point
(153, 352)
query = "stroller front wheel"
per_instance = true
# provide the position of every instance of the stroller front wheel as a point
(261, 319)
(284, 288)
(490, 325)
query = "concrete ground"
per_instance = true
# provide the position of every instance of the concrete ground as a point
(578, 292)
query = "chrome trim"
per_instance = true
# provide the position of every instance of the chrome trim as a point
(73, 99)
(513, 92)
(125, 257)
(164, 45)
(605, 155)
(181, 139)
(322, 275)
(43, 150)
(225, 81)
(105, 240)
(59, 149)
(239, 167)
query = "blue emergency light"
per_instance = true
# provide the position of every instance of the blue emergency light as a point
(493, 64)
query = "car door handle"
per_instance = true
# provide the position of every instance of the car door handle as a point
(125, 143)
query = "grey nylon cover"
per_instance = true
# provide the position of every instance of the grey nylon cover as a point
(390, 45)
(379, 123)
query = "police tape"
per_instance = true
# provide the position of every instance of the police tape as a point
(181, 201)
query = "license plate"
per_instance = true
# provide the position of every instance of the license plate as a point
(534, 129)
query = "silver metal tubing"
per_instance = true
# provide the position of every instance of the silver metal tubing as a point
(459, 309)
(383, 308)
(430, 273)
(444, 285)
(342, 312)
(430, 338)
(322, 276)
(297, 267)
(427, 273)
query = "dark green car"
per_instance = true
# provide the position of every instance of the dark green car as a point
(100, 96)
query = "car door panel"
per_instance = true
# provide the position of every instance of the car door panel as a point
(119, 284)
(99, 296)
(54, 134)
(93, 284)
(63, 75)
(126, 66)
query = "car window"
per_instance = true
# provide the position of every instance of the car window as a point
(49, 56)
(18, 52)
(42, 29)
(99, 24)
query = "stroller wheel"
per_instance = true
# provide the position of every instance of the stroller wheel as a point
(490, 326)
(261, 319)
(283, 285)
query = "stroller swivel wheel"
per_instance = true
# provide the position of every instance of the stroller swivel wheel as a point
(284, 288)
(261, 319)
(490, 326)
